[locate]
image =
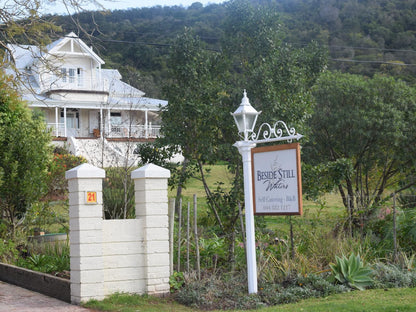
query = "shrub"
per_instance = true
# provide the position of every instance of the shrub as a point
(321, 284)
(61, 162)
(47, 258)
(24, 155)
(391, 276)
(42, 216)
(352, 272)
(118, 194)
(9, 252)
(229, 291)
(176, 281)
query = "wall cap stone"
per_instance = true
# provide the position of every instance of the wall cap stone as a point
(85, 171)
(150, 171)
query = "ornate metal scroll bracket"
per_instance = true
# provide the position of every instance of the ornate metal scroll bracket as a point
(278, 132)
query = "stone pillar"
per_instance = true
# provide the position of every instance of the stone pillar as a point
(151, 198)
(85, 232)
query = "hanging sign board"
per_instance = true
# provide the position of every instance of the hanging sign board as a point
(277, 183)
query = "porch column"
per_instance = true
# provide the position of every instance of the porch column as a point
(65, 133)
(108, 121)
(101, 123)
(146, 126)
(56, 122)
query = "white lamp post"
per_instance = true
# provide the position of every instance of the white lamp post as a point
(245, 117)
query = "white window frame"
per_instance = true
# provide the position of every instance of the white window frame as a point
(72, 75)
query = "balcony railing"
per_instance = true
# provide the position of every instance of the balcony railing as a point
(75, 83)
(141, 131)
(117, 131)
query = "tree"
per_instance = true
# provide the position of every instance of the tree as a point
(367, 127)
(190, 120)
(207, 85)
(277, 75)
(28, 21)
(25, 153)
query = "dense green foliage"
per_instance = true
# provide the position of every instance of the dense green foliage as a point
(50, 258)
(118, 194)
(61, 162)
(24, 156)
(362, 129)
(362, 37)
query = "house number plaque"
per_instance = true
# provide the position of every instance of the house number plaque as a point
(91, 197)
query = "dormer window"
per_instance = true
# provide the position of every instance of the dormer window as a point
(71, 72)
(79, 77)
(72, 75)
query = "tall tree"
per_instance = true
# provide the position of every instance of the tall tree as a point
(190, 121)
(370, 125)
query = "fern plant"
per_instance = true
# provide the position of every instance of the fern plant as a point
(352, 272)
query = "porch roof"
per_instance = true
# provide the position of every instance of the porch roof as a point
(113, 103)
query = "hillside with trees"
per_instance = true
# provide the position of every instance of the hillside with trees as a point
(361, 37)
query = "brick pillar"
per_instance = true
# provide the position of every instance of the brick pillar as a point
(85, 232)
(151, 197)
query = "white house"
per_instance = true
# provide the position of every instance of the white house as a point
(80, 99)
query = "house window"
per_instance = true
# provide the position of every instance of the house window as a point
(72, 118)
(79, 76)
(72, 75)
(63, 73)
(71, 72)
(115, 118)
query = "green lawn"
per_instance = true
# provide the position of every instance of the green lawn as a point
(399, 299)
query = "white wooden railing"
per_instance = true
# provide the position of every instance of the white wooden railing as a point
(117, 131)
(141, 131)
(81, 83)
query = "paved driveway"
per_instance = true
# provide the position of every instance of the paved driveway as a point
(17, 299)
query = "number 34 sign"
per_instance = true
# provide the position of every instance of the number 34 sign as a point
(91, 197)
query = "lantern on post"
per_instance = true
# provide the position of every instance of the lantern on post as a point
(245, 117)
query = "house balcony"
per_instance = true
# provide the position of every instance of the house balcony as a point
(117, 131)
(55, 85)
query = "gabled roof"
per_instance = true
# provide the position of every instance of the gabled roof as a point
(59, 45)
(25, 55)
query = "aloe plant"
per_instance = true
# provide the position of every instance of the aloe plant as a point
(352, 272)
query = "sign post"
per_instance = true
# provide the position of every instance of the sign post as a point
(273, 176)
